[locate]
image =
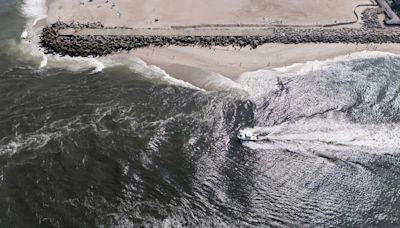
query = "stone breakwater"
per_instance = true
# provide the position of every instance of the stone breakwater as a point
(98, 45)
(370, 17)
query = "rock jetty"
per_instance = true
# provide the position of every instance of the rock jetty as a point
(370, 17)
(100, 45)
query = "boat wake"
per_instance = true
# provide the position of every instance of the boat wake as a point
(319, 134)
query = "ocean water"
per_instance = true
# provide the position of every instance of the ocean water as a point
(116, 143)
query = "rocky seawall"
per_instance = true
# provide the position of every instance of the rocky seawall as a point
(100, 45)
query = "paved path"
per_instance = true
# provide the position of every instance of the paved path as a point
(394, 19)
(169, 32)
(219, 30)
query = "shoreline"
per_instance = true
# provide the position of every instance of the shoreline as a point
(233, 62)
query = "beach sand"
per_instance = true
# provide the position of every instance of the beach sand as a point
(143, 13)
(230, 62)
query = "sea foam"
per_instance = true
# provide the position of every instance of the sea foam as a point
(150, 71)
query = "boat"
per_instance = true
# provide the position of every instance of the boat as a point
(244, 136)
(252, 136)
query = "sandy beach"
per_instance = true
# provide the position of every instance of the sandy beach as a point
(233, 62)
(144, 13)
(230, 62)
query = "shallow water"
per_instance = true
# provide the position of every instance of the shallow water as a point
(128, 147)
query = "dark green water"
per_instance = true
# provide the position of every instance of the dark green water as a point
(117, 149)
